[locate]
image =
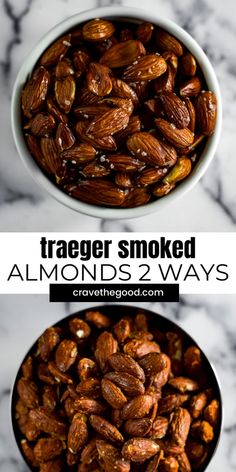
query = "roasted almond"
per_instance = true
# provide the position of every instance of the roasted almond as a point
(65, 93)
(56, 51)
(47, 448)
(128, 383)
(106, 429)
(123, 163)
(98, 79)
(150, 150)
(150, 176)
(165, 83)
(113, 394)
(64, 137)
(81, 60)
(170, 402)
(136, 197)
(144, 32)
(48, 341)
(35, 91)
(148, 67)
(110, 457)
(98, 319)
(139, 449)
(66, 354)
(90, 387)
(125, 363)
(42, 125)
(184, 384)
(108, 123)
(97, 30)
(166, 42)
(123, 90)
(206, 111)
(139, 427)
(77, 434)
(47, 422)
(188, 64)
(28, 392)
(79, 154)
(191, 88)
(138, 348)
(180, 138)
(95, 169)
(106, 143)
(138, 407)
(175, 109)
(123, 54)
(179, 426)
(180, 171)
(106, 346)
(89, 406)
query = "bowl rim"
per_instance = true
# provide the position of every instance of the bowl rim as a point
(134, 309)
(28, 65)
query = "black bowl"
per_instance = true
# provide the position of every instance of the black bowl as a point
(156, 321)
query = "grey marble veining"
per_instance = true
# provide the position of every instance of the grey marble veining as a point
(210, 206)
(210, 320)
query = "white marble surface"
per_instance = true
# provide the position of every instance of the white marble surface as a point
(210, 320)
(210, 206)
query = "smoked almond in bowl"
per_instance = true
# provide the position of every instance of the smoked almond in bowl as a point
(116, 388)
(109, 98)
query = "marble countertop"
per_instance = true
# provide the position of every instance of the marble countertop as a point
(210, 320)
(210, 206)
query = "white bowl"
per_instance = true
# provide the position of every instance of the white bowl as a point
(117, 12)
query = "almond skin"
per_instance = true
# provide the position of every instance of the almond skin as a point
(180, 138)
(145, 68)
(123, 54)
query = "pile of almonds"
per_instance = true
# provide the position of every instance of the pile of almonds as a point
(98, 394)
(117, 114)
